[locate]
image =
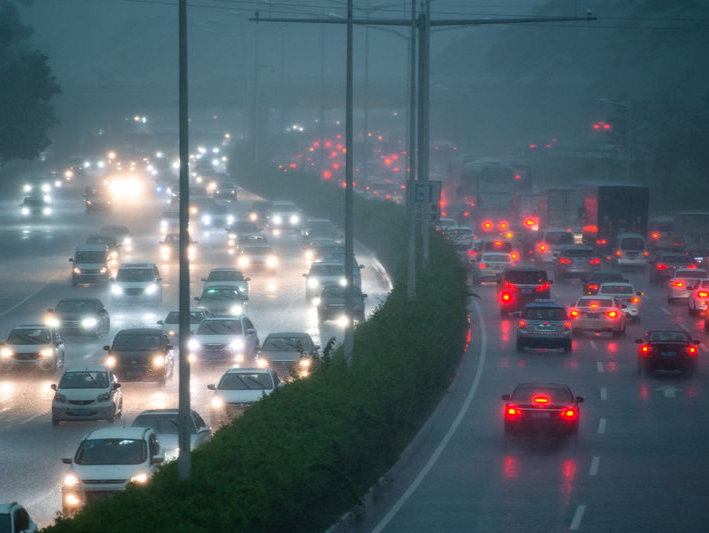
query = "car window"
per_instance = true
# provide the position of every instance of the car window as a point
(90, 257)
(559, 237)
(578, 252)
(220, 327)
(670, 336)
(632, 243)
(22, 520)
(135, 274)
(30, 336)
(230, 293)
(246, 381)
(677, 259)
(111, 452)
(137, 342)
(500, 246)
(616, 289)
(226, 275)
(496, 258)
(527, 395)
(248, 324)
(526, 277)
(285, 344)
(693, 274)
(327, 270)
(84, 380)
(76, 306)
(544, 313)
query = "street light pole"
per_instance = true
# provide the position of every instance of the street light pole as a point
(411, 159)
(349, 198)
(254, 99)
(628, 148)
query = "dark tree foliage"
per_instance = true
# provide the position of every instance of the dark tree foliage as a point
(26, 89)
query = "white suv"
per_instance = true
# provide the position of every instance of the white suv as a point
(137, 282)
(106, 461)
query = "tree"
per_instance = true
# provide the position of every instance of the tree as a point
(26, 89)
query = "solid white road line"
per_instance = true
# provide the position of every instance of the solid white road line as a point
(599, 367)
(604, 393)
(601, 426)
(594, 466)
(593, 344)
(665, 310)
(578, 516)
(30, 295)
(451, 431)
(685, 328)
(30, 419)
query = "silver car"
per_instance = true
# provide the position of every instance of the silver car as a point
(489, 266)
(682, 282)
(626, 295)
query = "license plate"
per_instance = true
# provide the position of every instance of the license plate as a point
(668, 354)
(81, 412)
(526, 291)
(592, 315)
(544, 328)
(134, 373)
(541, 416)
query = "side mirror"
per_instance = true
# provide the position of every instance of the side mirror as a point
(250, 331)
(159, 322)
(116, 385)
(579, 399)
(158, 279)
(247, 279)
(639, 341)
(196, 298)
(53, 386)
(204, 279)
(360, 266)
(157, 459)
(212, 387)
(111, 280)
(71, 259)
(316, 347)
(506, 397)
(169, 347)
(305, 275)
(697, 342)
(66, 460)
(364, 296)
(107, 348)
(639, 293)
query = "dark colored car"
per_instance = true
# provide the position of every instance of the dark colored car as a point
(519, 286)
(258, 212)
(287, 353)
(663, 266)
(224, 300)
(541, 410)
(667, 350)
(544, 324)
(577, 261)
(141, 354)
(80, 316)
(332, 303)
(594, 281)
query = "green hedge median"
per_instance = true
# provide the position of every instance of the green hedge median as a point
(301, 457)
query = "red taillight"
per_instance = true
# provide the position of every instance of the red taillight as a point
(574, 313)
(504, 225)
(487, 225)
(646, 253)
(567, 325)
(472, 252)
(691, 266)
(564, 260)
(482, 265)
(543, 287)
(677, 283)
(692, 350)
(602, 241)
(497, 244)
(569, 413)
(703, 294)
(661, 266)
(512, 411)
(506, 296)
(593, 287)
(522, 324)
(595, 261)
(514, 256)
(543, 247)
(541, 400)
(634, 300)
(645, 349)
(612, 314)
(617, 252)
(655, 236)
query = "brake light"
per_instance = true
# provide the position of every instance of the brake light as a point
(646, 253)
(569, 413)
(504, 225)
(522, 324)
(564, 260)
(692, 350)
(497, 244)
(661, 266)
(634, 300)
(594, 261)
(543, 287)
(487, 225)
(567, 325)
(645, 349)
(482, 265)
(617, 252)
(703, 294)
(574, 313)
(512, 411)
(514, 256)
(655, 236)
(691, 266)
(543, 247)
(506, 296)
(677, 283)
(612, 314)
(593, 287)
(601, 241)
(472, 252)
(541, 400)
(594, 304)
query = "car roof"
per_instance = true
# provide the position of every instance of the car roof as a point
(288, 334)
(88, 368)
(117, 433)
(576, 247)
(93, 247)
(167, 411)
(247, 370)
(596, 297)
(136, 265)
(114, 227)
(140, 331)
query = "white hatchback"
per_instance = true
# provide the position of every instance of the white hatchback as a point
(626, 295)
(87, 393)
(682, 281)
(699, 298)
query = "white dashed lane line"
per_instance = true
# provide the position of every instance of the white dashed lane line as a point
(601, 426)
(665, 310)
(685, 328)
(578, 516)
(604, 393)
(30, 419)
(599, 367)
(593, 344)
(595, 462)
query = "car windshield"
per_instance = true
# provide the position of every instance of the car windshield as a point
(244, 227)
(327, 270)
(5, 524)
(173, 317)
(256, 248)
(135, 274)
(30, 336)
(578, 252)
(616, 289)
(225, 275)
(246, 381)
(693, 274)
(496, 258)
(601, 277)
(77, 306)
(231, 293)
(677, 259)
(285, 344)
(34, 201)
(555, 395)
(544, 313)
(111, 452)
(632, 243)
(90, 257)
(102, 239)
(172, 238)
(137, 341)
(162, 423)
(559, 237)
(526, 277)
(500, 246)
(594, 302)
(220, 327)
(669, 336)
(84, 379)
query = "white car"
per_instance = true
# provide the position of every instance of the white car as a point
(171, 323)
(598, 313)
(238, 389)
(137, 283)
(256, 255)
(32, 346)
(699, 298)
(626, 295)
(106, 461)
(227, 276)
(682, 281)
(231, 339)
(87, 393)
(15, 519)
(488, 266)
(165, 423)
(550, 243)
(328, 273)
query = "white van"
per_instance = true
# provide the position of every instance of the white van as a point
(550, 243)
(630, 251)
(90, 264)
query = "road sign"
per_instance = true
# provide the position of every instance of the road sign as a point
(427, 197)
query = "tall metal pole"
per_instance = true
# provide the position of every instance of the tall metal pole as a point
(184, 461)
(411, 159)
(283, 84)
(349, 193)
(365, 144)
(254, 112)
(630, 134)
(423, 124)
(321, 118)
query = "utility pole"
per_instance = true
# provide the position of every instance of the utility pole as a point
(349, 198)
(411, 160)
(184, 460)
(254, 99)
(424, 27)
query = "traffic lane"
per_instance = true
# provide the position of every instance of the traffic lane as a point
(587, 372)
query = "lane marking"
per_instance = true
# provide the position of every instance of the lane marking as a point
(704, 348)
(665, 310)
(599, 367)
(594, 466)
(451, 431)
(685, 328)
(604, 393)
(578, 516)
(30, 295)
(30, 419)
(593, 344)
(601, 426)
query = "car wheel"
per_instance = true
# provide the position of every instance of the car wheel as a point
(55, 420)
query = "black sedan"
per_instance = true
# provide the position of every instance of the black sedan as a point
(541, 410)
(79, 316)
(663, 266)
(141, 354)
(672, 350)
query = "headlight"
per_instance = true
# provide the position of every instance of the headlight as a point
(343, 282)
(243, 261)
(116, 289)
(236, 309)
(103, 270)
(47, 352)
(127, 241)
(294, 219)
(304, 363)
(237, 344)
(89, 322)
(114, 255)
(110, 361)
(206, 220)
(163, 223)
(27, 188)
(52, 321)
(151, 289)
(271, 261)
(25, 211)
(309, 254)
(313, 283)
(104, 397)
(59, 398)
(278, 220)
(159, 360)
(140, 478)
(47, 211)
(6, 352)
(253, 217)
(171, 333)
(230, 220)
(239, 358)
(70, 480)
(217, 402)
(77, 270)
(262, 363)
(193, 344)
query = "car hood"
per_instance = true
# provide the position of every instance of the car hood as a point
(97, 265)
(135, 355)
(134, 284)
(75, 316)
(28, 348)
(242, 396)
(217, 339)
(290, 355)
(83, 394)
(112, 472)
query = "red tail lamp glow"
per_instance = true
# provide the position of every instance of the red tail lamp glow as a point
(522, 324)
(574, 313)
(595, 261)
(677, 283)
(692, 350)
(645, 349)
(703, 294)
(506, 297)
(612, 314)
(544, 400)
(512, 412)
(564, 260)
(569, 413)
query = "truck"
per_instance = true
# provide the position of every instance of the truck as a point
(561, 208)
(692, 228)
(612, 209)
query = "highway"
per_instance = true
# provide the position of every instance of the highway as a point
(36, 274)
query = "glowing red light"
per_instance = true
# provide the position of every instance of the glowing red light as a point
(327, 175)
(522, 324)
(512, 411)
(655, 236)
(703, 294)
(645, 348)
(692, 350)
(677, 283)
(293, 165)
(612, 314)
(482, 265)
(506, 296)
(660, 266)
(328, 144)
(574, 313)
(595, 261)
(564, 260)
(532, 145)
(514, 256)
(541, 399)
(316, 143)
